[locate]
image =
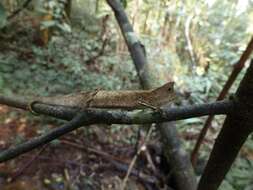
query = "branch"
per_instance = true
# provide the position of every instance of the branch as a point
(237, 69)
(183, 176)
(60, 112)
(13, 14)
(135, 48)
(92, 116)
(117, 116)
(235, 131)
(43, 139)
(105, 40)
(188, 39)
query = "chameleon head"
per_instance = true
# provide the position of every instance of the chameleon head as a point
(163, 94)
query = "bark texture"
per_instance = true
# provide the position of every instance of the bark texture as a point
(169, 137)
(236, 129)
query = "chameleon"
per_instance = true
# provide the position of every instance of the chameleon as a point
(123, 99)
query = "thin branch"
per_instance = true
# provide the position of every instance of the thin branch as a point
(132, 163)
(188, 39)
(43, 139)
(24, 167)
(115, 161)
(237, 69)
(14, 13)
(235, 131)
(59, 112)
(135, 48)
(104, 39)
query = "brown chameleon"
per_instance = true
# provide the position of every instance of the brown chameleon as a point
(125, 99)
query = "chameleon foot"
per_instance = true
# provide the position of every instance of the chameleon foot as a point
(146, 104)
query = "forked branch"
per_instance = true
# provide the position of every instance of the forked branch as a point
(91, 116)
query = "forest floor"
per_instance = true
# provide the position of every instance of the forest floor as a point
(75, 161)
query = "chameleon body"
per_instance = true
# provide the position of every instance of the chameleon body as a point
(125, 99)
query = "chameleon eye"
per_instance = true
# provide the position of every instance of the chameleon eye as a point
(169, 89)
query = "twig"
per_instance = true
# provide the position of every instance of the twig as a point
(92, 150)
(27, 165)
(135, 47)
(60, 162)
(116, 162)
(151, 163)
(13, 14)
(188, 39)
(142, 148)
(103, 38)
(140, 175)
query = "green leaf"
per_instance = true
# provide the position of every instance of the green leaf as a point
(3, 16)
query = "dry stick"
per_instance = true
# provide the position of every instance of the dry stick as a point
(142, 147)
(237, 69)
(92, 150)
(116, 162)
(57, 162)
(143, 177)
(27, 165)
(103, 38)
(150, 162)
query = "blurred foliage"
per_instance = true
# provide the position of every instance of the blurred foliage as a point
(3, 16)
(124, 3)
(56, 9)
(61, 68)
(194, 43)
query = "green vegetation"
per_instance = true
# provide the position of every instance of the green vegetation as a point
(193, 43)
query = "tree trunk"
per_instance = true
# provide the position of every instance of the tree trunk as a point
(234, 133)
(182, 172)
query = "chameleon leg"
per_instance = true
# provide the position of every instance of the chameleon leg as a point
(148, 105)
(89, 101)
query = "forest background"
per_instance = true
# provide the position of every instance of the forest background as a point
(194, 43)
